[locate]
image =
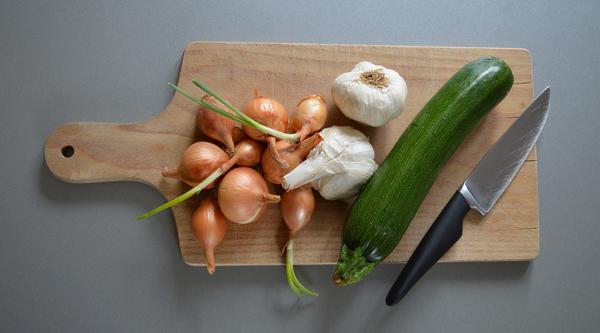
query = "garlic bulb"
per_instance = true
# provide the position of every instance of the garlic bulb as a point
(338, 166)
(370, 94)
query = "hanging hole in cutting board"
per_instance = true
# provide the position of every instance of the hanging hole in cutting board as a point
(67, 151)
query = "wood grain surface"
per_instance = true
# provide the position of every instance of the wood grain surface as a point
(287, 72)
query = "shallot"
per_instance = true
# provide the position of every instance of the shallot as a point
(266, 111)
(292, 153)
(197, 162)
(310, 116)
(243, 195)
(270, 113)
(209, 227)
(297, 207)
(215, 126)
(239, 116)
(247, 153)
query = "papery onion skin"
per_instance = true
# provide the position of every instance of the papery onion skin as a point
(238, 135)
(198, 161)
(209, 227)
(310, 116)
(297, 208)
(249, 152)
(215, 126)
(272, 169)
(243, 195)
(292, 153)
(268, 112)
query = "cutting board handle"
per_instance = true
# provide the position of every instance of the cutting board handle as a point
(103, 152)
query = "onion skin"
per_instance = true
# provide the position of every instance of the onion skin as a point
(273, 149)
(270, 113)
(310, 116)
(266, 111)
(198, 161)
(292, 153)
(243, 195)
(297, 208)
(238, 135)
(209, 227)
(216, 126)
(248, 153)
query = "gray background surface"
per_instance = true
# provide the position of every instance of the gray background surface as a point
(73, 258)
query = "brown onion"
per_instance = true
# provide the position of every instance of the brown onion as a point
(270, 113)
(297, 207)
(209, 227)
(247, 153)
(243, 195)
(266, 111)
(292, 153)
(216, 126)
(238, 134)
(310, 116)
(197, 162)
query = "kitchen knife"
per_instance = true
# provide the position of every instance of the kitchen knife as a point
(482, 189)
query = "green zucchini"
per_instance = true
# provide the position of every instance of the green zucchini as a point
(389, 201)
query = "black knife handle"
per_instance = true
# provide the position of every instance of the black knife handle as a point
(441, 236)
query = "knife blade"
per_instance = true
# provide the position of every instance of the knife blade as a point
(480, 191)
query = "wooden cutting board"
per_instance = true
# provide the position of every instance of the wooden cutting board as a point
(137, 151)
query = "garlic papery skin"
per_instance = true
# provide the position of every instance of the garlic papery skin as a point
(370, 94)
(346, 185)
(338, 166)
